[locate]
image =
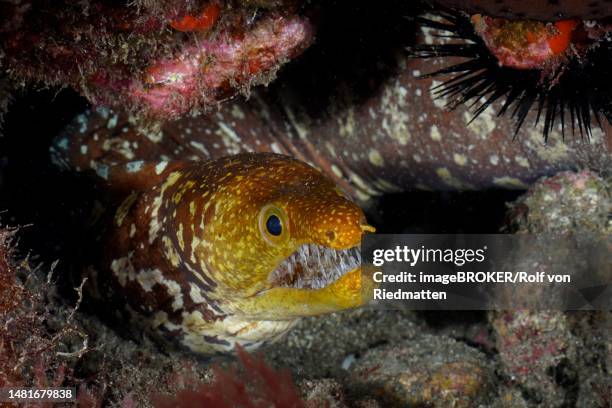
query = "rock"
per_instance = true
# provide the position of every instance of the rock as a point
(568, 201)
(536, 349)
(323, 393)
(510, 397)
(428, 370)
(558, 358)
(595, 357)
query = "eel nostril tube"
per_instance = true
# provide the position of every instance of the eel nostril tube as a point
(367, 228)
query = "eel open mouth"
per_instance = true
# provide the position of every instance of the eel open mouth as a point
(314, 266)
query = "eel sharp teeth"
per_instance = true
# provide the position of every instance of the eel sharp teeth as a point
(313, 266)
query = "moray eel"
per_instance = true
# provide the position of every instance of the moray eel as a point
(231, 251)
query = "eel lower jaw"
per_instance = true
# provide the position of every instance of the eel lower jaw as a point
(351, 290)
(314, 280)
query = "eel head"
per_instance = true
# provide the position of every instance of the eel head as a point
(284, 241)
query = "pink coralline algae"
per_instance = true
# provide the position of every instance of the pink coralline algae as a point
(209, 71)
(161, 65)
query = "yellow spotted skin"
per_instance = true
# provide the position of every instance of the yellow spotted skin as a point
(191, 256)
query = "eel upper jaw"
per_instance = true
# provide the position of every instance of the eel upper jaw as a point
(314, 267)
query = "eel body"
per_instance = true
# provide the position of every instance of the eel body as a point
(369, 120)
(231, 251)
(401, 140)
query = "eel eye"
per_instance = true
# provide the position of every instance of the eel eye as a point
(273, 224)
